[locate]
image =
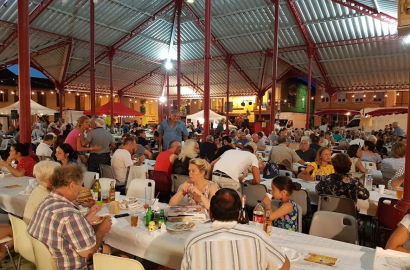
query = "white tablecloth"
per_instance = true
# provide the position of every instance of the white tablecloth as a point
(367, 207)
(10, 199)
(167, 249)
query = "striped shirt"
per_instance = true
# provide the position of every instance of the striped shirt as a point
(59, 224)
(232, 246)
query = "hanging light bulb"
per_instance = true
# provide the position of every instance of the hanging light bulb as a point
(12, 92)
(312, 98)
(32, 92)
(78, 94)
(190, 1)
(85, 95)
(162, 99)
(398, 94)
(69, 92)
(52, 92)
(106, 96)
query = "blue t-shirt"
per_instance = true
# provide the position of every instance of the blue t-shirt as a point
(243, 142)
(175, 133)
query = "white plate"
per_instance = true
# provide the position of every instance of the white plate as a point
(179, 226)
(24, 193)
(292, 254)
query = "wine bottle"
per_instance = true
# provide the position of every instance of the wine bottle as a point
(112, 192)
(97, 188)
(243, 213)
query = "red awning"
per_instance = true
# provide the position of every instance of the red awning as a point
(388, 111)
(337, 111)
(119, 110)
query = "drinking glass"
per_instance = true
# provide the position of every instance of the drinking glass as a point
(399, 193)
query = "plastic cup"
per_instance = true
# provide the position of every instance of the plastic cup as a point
(381, 189)
(134, 219)
(117, 195)
(399, 193)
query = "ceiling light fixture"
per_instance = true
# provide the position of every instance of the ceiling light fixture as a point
(190, 1)
(162, 99)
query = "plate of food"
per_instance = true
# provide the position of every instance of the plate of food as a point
(292, 254)
(180, 226)
(130, 203)
(101, 219)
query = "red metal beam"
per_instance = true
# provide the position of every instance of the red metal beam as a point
(66, 62)
(220, 47)
(310, 45)
(49, 48)
(386, 87)
(207, 65)
(275, 59)
(92, 56)
(366, 10)
(123, 90)
(33, 16)
(137, 30)
(196, 88)
(179, 15)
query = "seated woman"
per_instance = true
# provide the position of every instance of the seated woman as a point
(320, 167)
(20, 153)
(198, 190)
(391, 165)
(43, 172)
(369, 155)
(189, 151)
(355, 153)
(399, 240)
(65, 154)
(340, 184)
(381, 150)
(286, 216)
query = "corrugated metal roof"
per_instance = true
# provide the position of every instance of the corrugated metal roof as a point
(240, 26)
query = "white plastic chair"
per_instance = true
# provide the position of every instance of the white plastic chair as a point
(177, 180)
(4, 144)
(335, 226)
(21, 239)
(44, 260)
(108, 262)
(286, 173)
(301, 198)
(137, 188)
(4, 241)
(106, 183)
(369, 165)
(300, 221)
(89, 179)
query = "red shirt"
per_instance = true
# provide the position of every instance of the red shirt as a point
(26, 163)
(163, 163)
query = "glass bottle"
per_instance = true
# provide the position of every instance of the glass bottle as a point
(112, 192)
(267, 223)
(243, 214)
(148, 216)
(161, 219)
(258, 213)
(97, 188)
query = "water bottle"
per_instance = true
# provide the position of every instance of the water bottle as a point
(369, 180)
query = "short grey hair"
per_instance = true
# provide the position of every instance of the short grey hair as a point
(174, 111)
(283, 139)
(44, 170)
(305, 140)
(209, 138)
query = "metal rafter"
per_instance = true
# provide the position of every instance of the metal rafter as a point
(221, 48)
(310, 45)
(137, 30)
(196, 88)
(33, 16)
(37, 66)
(366, 10)
(125, 89)
(399, 86)
(66, 62)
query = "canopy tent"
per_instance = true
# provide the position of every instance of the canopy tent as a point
(337, 111)
(119, 110)
(35, 108)
(388, 111)
(200, 116)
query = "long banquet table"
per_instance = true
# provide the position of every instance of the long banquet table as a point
(167, 249)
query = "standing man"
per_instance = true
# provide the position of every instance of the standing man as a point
(282, 154)
(220, 127)
(171, 130)
(99, 136)
(276, 126)
(397, 130)
(59, 224)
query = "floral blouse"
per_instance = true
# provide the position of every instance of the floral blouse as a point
(290, 221)
(343, 186)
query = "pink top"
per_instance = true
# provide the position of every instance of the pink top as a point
(72, 138)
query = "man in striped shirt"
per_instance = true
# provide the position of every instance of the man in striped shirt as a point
(59, 224)
(229, 245)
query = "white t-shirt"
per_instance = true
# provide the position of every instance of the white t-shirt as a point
(406, 223)
(234, 162)
(43, 150)
(120, 162)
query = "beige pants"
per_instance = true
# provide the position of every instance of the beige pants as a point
(224, 182)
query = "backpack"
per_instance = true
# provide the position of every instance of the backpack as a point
(271, 170)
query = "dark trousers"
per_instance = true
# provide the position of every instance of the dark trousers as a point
(94, 161)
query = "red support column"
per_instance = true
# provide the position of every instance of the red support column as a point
(168, 102)
(24, 71)
(403, 205)
(274, 65)
(228, 82)
(207, 86)
(111, 57)
(309, 90)
(61, 96)
(179, 10)
(92, 56)
(260, 101)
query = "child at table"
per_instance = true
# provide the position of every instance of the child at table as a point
(286, 216)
